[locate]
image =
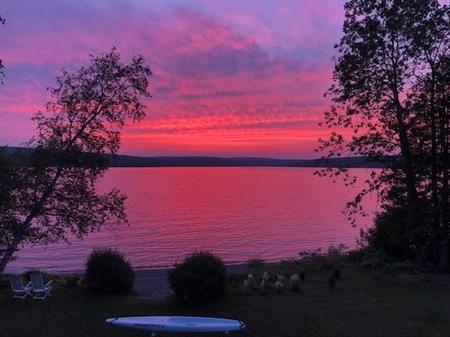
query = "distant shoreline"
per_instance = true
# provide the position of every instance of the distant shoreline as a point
(121, 160)
(135, 161)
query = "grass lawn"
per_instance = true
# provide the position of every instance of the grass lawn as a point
(362, 304)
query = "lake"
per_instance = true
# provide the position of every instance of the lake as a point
(239, 213)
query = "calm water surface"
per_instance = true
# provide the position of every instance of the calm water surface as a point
(237, 213)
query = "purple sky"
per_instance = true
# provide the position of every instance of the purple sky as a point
(231, 78)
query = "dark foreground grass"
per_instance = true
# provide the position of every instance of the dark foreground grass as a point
(362, 304)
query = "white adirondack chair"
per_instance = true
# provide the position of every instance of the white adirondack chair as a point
(40, 290)
(18, 288)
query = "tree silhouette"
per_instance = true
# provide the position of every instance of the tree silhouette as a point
(389, 53)
(2, 22)
(53, 194)
(429, 32)
(4, 173)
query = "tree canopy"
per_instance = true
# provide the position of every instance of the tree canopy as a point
(2, 22)
(54, 195)
(390, 96)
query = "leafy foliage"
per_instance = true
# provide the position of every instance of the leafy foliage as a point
(2, 22)
(388, 95)
(199, 279)
(54, 194)
(389, 234)
(69, 281)
(255, 264)
(107, 272)
(317, 260)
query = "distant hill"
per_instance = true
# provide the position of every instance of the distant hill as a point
(132, 161)
(205, 161)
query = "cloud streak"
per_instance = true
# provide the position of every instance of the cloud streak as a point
(232, 80)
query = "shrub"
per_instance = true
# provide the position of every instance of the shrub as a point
(236, 280)
(368, 257)
(373, 262)
(400, 267)
(74, 281)
(361, 253)
(390, 234)
(108, 272)
(69, 281)
(60, 280)
(317, 260)
(255, 264)
(199, 279)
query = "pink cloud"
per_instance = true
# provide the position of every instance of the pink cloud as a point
(214, 88)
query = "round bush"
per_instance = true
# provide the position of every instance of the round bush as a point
(107, 272)
(199, 279)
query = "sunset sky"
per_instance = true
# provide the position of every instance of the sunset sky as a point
(231, 78)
